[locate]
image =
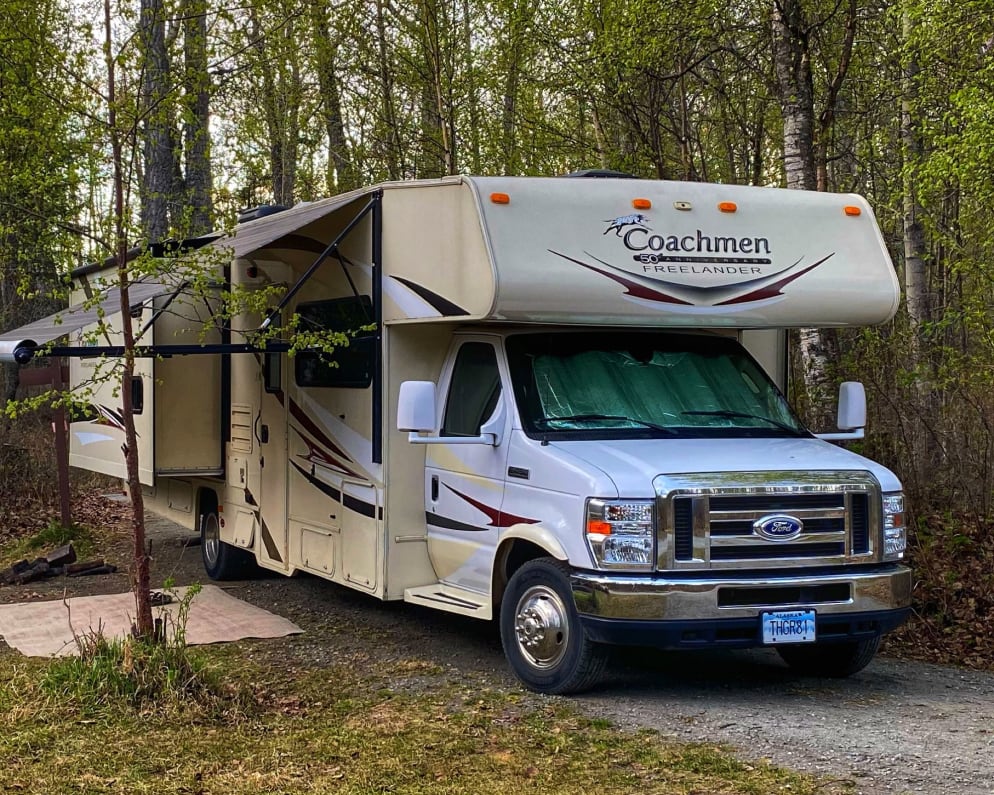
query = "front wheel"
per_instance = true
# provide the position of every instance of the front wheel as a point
(833, 660)
(541, 632)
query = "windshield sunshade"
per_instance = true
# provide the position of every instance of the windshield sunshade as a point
(581, 385)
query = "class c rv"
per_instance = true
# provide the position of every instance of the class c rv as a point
(559, 404)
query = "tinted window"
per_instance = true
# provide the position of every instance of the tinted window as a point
(350, 365)
(474, 390)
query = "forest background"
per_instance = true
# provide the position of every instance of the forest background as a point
(203, 108)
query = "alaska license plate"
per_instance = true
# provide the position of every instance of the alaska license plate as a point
(789, 626)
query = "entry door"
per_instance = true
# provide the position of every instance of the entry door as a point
(271, 434)
(464, 485)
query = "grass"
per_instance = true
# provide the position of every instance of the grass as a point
(50, 537)
(270, 728)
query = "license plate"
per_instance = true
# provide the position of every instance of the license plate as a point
(789, 626)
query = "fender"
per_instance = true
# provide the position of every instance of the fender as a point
(536, 534)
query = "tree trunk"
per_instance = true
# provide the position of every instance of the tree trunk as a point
(341, 171)
(393, 150)
(160, 157)
(141, 579)
(795, 84)
(792, 64)
(914, 234)
(196, 126)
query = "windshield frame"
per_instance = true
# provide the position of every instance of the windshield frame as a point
(521, 346)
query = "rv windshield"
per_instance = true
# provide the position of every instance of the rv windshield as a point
(616, 385)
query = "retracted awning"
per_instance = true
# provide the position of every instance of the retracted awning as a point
(20, 344)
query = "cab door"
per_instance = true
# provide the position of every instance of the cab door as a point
(464, 483)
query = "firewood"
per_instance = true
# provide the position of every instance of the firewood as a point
(62, 556)
(74, 569)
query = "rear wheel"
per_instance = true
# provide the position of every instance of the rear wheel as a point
(222, 561)
(541, 632)
(835, 660)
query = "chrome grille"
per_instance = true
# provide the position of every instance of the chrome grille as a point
(712, 525)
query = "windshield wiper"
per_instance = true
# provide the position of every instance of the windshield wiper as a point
(593, 417)
(732, 414)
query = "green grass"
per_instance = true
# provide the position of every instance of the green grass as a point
(52, 536)
(357, 727)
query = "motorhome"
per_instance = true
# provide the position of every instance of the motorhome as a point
(563, 411)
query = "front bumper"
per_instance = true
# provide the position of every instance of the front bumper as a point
(706, 611)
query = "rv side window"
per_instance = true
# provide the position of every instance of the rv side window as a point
(474, 390)
(350, 365)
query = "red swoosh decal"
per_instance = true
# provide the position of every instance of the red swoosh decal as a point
(633, 289)
(772, 290)
(318, 456)
(498, 518)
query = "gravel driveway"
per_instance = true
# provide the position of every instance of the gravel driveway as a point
(896, 727)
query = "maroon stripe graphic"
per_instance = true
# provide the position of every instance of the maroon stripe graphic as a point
(772, 290)
(318, 456)
(498, 518)
(632, 288)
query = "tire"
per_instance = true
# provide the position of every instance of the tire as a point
(222, 561)
(833, 660)
(541, 633)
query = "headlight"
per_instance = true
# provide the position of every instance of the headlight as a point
(621, 533)
(895, 533)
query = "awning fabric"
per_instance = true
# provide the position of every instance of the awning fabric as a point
(257, 234)
(27, 338)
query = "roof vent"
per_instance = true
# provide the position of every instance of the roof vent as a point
(259, 212)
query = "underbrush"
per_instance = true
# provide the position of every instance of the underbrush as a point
(952, 557)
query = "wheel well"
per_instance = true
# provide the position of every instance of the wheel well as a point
(206, 502)
(511, 557)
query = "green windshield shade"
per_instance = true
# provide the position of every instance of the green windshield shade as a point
(644, 380)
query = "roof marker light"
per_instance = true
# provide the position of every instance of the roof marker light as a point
(500, 198)
(727, 207)
(642, 204)
(851, 210)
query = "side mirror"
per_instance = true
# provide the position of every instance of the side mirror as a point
(852, 413)
(416, 407)
(852, 406)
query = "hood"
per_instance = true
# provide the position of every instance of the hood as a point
(633, 463)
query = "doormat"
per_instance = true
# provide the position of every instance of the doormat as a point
(50, 629)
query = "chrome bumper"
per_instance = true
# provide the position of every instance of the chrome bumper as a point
(659, 598)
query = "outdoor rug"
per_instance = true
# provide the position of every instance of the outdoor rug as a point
(50, 629)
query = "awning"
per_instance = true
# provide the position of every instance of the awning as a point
(19, 344)
(257, 234)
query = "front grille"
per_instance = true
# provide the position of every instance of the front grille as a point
(715, 526)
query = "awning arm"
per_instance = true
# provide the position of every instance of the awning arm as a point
(374, 201)
(151, 351)
(158, 312)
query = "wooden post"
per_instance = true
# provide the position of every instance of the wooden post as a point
(61, 423)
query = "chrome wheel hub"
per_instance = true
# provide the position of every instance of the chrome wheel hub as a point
(211, 540)
(541, 627)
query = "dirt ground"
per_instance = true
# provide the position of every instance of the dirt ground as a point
(897, 727)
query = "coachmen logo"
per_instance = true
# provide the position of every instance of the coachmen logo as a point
(617, 225)
(778, 527)
(694, 271)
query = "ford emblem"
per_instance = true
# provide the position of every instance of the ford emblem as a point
(778, 527)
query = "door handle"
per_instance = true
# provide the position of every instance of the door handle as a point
(434, 488)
